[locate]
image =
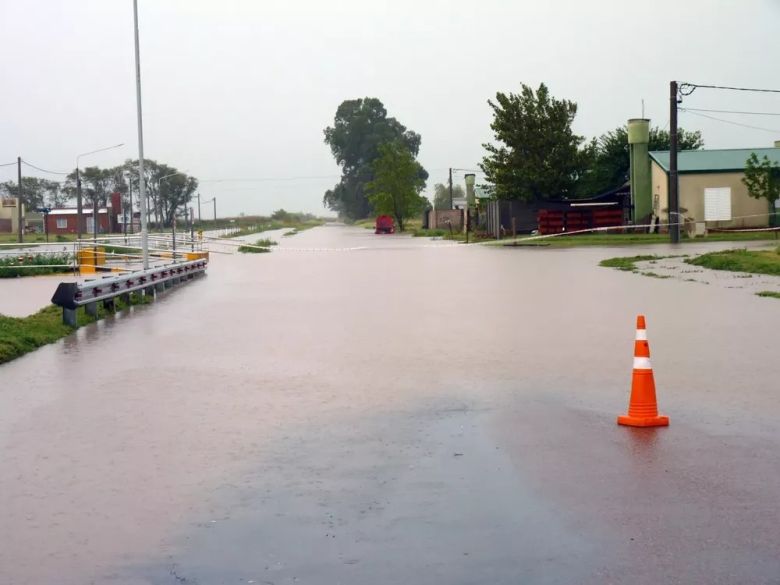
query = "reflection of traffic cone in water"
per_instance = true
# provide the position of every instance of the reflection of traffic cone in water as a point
(643, 408)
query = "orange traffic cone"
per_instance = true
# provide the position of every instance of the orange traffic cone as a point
(643, 408)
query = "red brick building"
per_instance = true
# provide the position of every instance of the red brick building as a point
(63, 220)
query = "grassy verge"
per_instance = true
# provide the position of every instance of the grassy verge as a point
(37, 238)
(754, 262)
(259, 247)
(35, 265)
(629, 239)
(294, 221)
(627, 263)
(21, 335)
(769, 293)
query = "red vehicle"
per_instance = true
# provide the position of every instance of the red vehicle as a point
(384, 225)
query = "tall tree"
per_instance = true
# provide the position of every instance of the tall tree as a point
(762, 179)
(360, 128)
(609, 168)
(36, 192)
(397, 183)
(539, 156)
(441, 195)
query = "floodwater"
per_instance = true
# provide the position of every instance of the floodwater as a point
(362, 409)
(20, 297)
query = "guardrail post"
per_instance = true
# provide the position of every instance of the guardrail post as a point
(69, 317)
(125, 297)
(91, 309)
(108, 305)
(160, 286)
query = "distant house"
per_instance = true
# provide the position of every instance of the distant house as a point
(710, 187)
(62, 220)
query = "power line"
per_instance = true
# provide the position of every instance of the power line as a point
(733, 112)
(10, 164)
(730, 122)
(43, 170)
(270, 179)
(687, 88)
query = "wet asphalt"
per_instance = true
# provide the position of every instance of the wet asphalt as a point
(361, 409)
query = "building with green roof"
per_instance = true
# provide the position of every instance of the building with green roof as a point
(711, 188)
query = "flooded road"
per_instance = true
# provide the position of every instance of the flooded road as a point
(362, 409)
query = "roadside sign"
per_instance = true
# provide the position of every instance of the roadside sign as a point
(459, 202)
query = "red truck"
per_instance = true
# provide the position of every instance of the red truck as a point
(384, 225)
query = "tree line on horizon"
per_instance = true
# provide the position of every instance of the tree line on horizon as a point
(536, 155)
(167, 189)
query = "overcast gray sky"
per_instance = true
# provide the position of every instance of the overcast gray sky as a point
(240, 89)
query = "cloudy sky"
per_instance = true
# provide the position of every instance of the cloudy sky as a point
(237, 92)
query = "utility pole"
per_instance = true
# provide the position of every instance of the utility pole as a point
(79, 206)
(141, 186)
(674, 195)
(130, 191)
(95, 230)
(452, 206)
(173, 233)
(192, 229)
(19, 215)
(215, 210)
(198, 207)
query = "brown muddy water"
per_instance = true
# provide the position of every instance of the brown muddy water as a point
(362, 409)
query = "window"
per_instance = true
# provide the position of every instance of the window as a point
(62, 222)
(717, 204)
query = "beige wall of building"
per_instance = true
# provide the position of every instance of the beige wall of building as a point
(8, 215)
(692, 186)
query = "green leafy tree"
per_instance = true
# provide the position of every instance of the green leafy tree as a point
(397, 183)
(167, 189)
(610, 166)
(538, 155)
(360, 128)
(762, 179)
(36, 192)
(441, 195)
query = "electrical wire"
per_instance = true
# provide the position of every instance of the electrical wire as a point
(43, 170)
(732, 122)
(269, 179)
(734, 112)
(688, 88)
(8, 164)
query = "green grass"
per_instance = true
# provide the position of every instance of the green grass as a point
(602, 239)
(259, 247)
(627, 263)
(430, 233)
(768, 293)
(16, 266)
(21, 335)
(36, 238)
(754, 262)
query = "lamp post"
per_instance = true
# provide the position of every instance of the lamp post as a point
(79, 211)
(141, 182)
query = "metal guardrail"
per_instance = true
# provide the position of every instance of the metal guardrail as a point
(72, 295)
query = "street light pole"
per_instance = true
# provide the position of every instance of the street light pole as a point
(141, 186)
(19, 214)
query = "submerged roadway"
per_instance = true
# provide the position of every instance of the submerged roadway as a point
(362, 409)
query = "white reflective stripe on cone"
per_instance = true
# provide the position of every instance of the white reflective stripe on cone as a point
(642, 363)
(641, 334)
